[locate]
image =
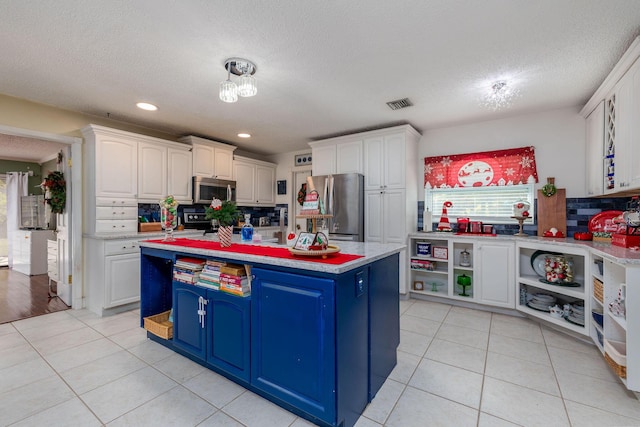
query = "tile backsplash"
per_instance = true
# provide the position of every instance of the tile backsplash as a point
(579, 212)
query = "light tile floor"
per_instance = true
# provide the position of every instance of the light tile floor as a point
(456, 367)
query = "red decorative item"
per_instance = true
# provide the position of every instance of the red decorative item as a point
(502, 167)
(444, 225)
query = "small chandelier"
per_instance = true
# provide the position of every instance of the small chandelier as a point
(244, 68)
(500, 95)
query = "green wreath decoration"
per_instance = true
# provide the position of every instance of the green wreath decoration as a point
(56, 191)
(549, 190)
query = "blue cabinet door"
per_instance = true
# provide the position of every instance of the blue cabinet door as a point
(293, 340)
(189, 326)
(229, 332)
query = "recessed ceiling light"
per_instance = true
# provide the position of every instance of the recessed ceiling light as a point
(146, 106)
(244, 135)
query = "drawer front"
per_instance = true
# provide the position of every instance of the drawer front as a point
(104, 201)
(116, 212)
(117, 226)
(124, 246)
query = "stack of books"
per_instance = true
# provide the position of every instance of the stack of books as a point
(187, 270)
(235, 280)
(210, 275)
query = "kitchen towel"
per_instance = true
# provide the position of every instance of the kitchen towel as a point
(337, 258)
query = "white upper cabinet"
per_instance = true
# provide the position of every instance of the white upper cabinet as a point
(115, 161)
(211, 159)
(386, 162)
(152, 171)
(619, 95)
(595, 151)
(337, 155)
(180, 171)
(255, 182)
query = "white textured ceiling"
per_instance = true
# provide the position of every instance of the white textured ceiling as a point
(324, 67)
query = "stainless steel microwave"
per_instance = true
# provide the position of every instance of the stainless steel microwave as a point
(207, 189)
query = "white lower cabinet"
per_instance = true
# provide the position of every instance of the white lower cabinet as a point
(495, 273)
(472, 270)
(113, 268)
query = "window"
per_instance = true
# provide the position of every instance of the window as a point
(492, 204)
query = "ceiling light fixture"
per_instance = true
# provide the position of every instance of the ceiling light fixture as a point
(244, 135)
(146, 106)
(500, 95)
(244, 68)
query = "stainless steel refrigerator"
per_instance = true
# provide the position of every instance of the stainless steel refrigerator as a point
(343, 197)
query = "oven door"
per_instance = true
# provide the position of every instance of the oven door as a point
(207, 189)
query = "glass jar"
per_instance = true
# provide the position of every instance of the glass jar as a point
(465, 258)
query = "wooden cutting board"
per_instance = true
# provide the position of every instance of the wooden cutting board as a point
(552, 212)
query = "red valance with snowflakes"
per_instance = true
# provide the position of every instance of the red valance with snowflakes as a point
(514, 166)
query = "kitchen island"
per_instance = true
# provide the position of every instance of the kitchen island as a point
(317, 337)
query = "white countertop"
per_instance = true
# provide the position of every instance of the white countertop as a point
(370, 252)
(615, 253)
(145, 235)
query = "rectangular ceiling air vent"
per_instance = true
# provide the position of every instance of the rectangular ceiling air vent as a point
(399, 103)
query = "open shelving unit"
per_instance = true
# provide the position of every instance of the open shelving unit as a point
(529, 282)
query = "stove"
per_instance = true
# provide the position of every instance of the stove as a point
(193, 218)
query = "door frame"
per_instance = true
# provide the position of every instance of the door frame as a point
(295, 185)
(76, 202)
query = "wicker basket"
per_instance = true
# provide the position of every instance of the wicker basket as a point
(159, 325)
(598, 290)
(616, 357)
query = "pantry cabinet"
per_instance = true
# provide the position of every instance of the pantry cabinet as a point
(255, 182)
(211, 159)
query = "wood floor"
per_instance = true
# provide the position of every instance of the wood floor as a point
(23, 296)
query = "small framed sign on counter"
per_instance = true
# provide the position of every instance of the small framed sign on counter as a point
(440, 252)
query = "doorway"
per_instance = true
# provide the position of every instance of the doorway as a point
(4, 246)
(70, 225)
(299, 181)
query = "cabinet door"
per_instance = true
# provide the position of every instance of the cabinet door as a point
(495, 275)
(189, 319)
(223, 163)
(116, 167)
(244, 175)
(373, 163)
(395, 161)
(203, 163)
(265, 185)
(349, 157)
(324, 160)
(595, 151)
(179, 174)
(293, 340)
(624, 127)
(373, 216)
(630, 121)
(152, 171)
(394, 218)
(229, 333)
(122, 281)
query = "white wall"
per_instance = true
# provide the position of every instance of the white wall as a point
(286, 166)
(558, 137)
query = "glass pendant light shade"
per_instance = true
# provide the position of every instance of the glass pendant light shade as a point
(248, 86)
(228, 91)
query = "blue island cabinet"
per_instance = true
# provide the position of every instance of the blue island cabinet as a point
(213, 326)
(316, 343)
(309, 342)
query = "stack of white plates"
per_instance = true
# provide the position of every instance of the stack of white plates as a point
(542, 302)
(576, 314)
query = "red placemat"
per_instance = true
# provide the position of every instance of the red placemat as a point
(337, 258)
